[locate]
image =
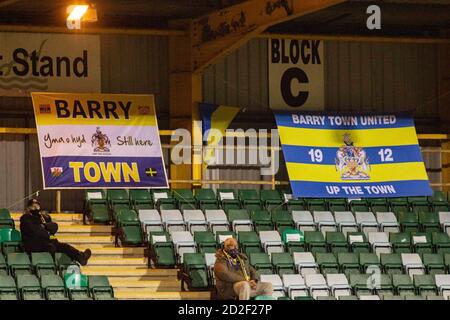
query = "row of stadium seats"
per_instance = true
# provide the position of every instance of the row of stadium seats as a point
(103, 205)
(52, 287)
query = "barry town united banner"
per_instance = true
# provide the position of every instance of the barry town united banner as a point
(352, 156)
(98, 140)
(48, 62)
(296, 74)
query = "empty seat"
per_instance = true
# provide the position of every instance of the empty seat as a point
(403, 285)
(358, 205)
(327, 262)
(129, 230)
(429, 221)
(338, 285)
(378, 205)
(337, 205)
(434, 263)
(161, 249)
(412, 264)
(29, 287)
(440, 242)
(184, 198)
(348, 263)
(380, 242)
(194, 272)
(18, 263)
(345, 221)
(3, 265)
(336, 242)
(100, 288)
(391, 263)
(271, 241)
(425, 284)
(172, 220)
(5, 219)
(184, 243)
(163, 200)
(316, 204)
(195, 220)
(443, 285)
(240, 220)
(249, 198)
(150, 220)
(418, 203)
(282, 220)
(401, 242)
(357, 242)
(221, 236)
(228, 199)
(315, 241)
(205, 241)
(53, 287)
(217, 220)
(261, 262)
(277, 284)
(10, 240)
(444, 220)
(382, 284)
(324, 221)
(294, 240)
(409, 221)
(117, 199)
(140, 199)
(8, 289)
(369, 261)
(205, 196)
(96, 206)
(271, 199)
(366, 222)
(317, 285)
(421, 242)
(283, 263)
(42, 263)
(262, 220)
(249, 241)
(303, 220)
(361, 284)
(294, 286)
(387, 222)
(305, 263)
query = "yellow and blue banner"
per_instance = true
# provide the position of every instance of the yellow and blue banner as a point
(98, 141)
(215, 121)
(352, 156)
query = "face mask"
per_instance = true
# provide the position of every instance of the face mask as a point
(234, 253)
(35, 212)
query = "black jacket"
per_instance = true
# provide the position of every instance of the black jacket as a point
(33, 229)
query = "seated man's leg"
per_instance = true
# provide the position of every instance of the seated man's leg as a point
(72, 252)
(242, 290)
(262, 289)
(41, 247)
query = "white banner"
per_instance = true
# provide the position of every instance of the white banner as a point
(48, 62)
(296, 74)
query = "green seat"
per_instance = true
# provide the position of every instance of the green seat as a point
(418, 203)
(261, 262)
(440, 242)
(163, 199)
(348, 263)
(294, 240)
(262, 220)
(418, 245)
(141, 199)
(29, 287)
(378, 205)
(357, 242)
(117, 199)
(359, 206)
(327, 262)
(295, 204)
(77, 286)
(42, 263)
(249, 242)
(282, 219)
(409, 221)
(316, 204)
(306, 298)
(206, 197)
(185, 199)
(337, 205)
(283, 263)
(205, 241)
(161, 249)
(129, 230)
(62, 262)
(361, 284)
(96, 206)
(3, 265)
(425, 284)
(8, 289)
(18, 263)
(401, 242)
(228, 199)
(271, 200)
(383, 285)
(352, 297)
(5, 219)
(194, 272)
(240, 219)
(447, 261)
(368, 260)
(53, 287)
(434, 263)
(249, 197)
(10, 240)
(221, 235)
(429, 221)
(100, 288)
(398, 204)
(439, 201)
(391, 263)
(315, 242)
(336, 241)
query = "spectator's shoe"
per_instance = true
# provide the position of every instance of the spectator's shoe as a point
(84, 257)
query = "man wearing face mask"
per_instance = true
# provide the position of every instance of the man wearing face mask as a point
(235, 277)
(38, 235)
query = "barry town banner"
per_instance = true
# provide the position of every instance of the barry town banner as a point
(98, 140)
(356, 156)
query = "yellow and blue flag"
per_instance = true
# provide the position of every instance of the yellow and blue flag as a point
(215, 120)
(352, 156)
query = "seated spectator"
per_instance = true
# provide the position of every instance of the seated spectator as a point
(235, 278)
(38, 235)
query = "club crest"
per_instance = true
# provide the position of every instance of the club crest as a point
(100, 141)
(351, 161)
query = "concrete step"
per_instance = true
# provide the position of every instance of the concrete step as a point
(57, 217)
(129, 271)
(85, 239)
(111, 251)
(144, 294)
(125, 284)
(118, 261)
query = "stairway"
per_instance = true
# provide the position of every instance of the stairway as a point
(126, 268)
